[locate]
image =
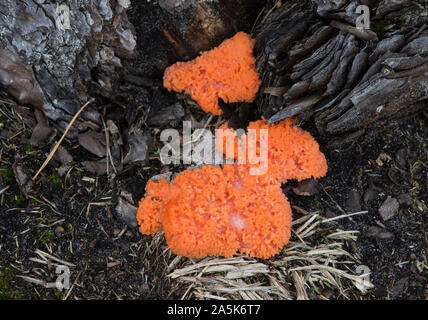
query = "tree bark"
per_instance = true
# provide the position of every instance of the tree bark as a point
(65, 53)
(316, 65)
(56, 68)
(179, 30)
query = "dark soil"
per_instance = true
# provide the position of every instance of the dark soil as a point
(397, 263)
(73, 218)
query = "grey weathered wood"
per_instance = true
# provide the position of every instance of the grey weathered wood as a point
(68, 61)
(314, 64)
(360, 78)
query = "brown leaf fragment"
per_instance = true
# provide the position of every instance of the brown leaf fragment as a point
(97, 167)
(353, 203)
(94, 142)
(62, 170)
(127, 196)
(389, 208)
(399, 287)
(23, 179)
(306, 188)
(138, 147)
(62, 156)
(371, 193)
(377, 232)
(19, 80)
(41, 131)
(405, 199)
(26, 114)
(127, 212)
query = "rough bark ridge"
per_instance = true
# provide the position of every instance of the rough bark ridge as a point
(315, 63)
(57, 69)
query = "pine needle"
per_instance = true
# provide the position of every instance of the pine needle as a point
(51, 154)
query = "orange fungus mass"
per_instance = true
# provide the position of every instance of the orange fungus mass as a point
(292, 152)
(221, 211)
(227, 72)
(218, 211)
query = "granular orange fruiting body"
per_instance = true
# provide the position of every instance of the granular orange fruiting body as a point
(292, 152)
(151, 207)
(219, 211)
(222, 211)
(227, 72)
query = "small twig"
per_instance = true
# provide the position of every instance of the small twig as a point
(300, 210)
(107, 145)
(7, 102)
(51, 154)
(200, 132)
(108, 155)
(277, 5)
(331, 198)
(33, 280)
(257, 20)
(16, 134)
(4, 189)
(47, 256)
(344, 216)
(72, 286)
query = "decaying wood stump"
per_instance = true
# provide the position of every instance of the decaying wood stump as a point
(54, 55)
(178, 30)
(315, 64)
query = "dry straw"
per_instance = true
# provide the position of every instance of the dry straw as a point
(316, 260)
